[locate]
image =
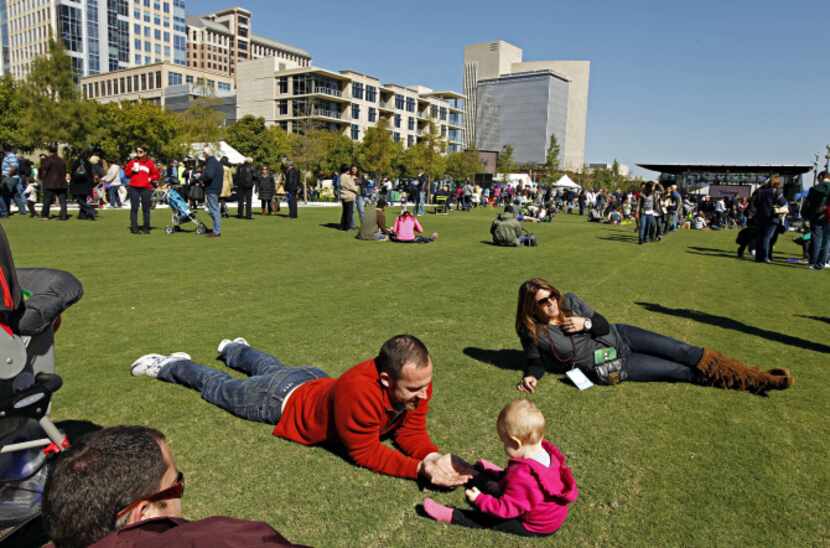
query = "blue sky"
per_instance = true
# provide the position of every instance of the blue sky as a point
(671, 81)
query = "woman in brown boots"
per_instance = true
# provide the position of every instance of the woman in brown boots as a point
(566, 330)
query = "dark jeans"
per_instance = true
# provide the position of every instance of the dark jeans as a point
(292, 205)
(139, 196)
(347, 215)
(655, 357)
(763, 249)
(266, 206)
(48, 197)
(819, 242)
(645, 227)
(85, 211)
(257, 398)
(480, 520)
(245, 196)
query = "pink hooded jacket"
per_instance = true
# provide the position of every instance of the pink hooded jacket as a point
(406, 227)
(536, 494)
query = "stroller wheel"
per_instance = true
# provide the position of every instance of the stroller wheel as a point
(169, 230)
(201, 229)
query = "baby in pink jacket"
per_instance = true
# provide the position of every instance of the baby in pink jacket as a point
(532, 495)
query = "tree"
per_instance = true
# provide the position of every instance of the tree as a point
(462, 166)
(201, 122)
(267, 146)
(11, 111)
(128, 125)
(427, 156)
(50, 98)
(552, 161)
(505, 163)
(377, 153)
(320, 151)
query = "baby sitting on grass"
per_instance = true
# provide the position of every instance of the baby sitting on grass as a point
(529, 498)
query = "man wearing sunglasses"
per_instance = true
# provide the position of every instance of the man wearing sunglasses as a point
(120, 487)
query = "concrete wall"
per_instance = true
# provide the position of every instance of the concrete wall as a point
(257, 88)
(579, 73)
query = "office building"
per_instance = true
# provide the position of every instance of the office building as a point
(220, 41)
(556, 95)
(99, 35)
(170, 86)
(348, 102)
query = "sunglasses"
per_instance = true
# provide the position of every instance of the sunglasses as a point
(175, 491)
(550, 299)
(140, 151)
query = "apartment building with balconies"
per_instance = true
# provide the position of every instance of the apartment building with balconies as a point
(348, 102)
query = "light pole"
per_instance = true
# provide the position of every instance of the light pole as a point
(827, 159)
(815, 168)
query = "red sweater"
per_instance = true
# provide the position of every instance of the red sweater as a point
(144, 176)
(356, 410)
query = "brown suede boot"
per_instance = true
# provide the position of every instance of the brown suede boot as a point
(725, 372)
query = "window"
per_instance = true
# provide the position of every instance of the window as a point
(410, 123)
(357, 90)
(282, 83)
(109, 87)
(355, 132)
(241, 44)
(166, 7)
(399, 102)
(283, 107)
(147, 46)
(130, 83)
(157, 34)
(371, 94)
(410, 104)
(137, 28)
(396, 137)
(224, 86)
(137, 44)
(166, 36)
(373, 114)
(443, 113)
(174, 79)
(397, 120)
(143, 82)
(410, 140)
(433, 111)
(188, 79)
(355, 112)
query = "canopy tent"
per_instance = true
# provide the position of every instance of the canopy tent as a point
(566, 182)
(224, 150)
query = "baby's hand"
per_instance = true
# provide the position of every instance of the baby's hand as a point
(472, 494)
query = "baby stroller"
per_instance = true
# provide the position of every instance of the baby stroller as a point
(181, 213)
(28, 437)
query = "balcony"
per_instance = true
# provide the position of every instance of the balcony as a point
(325, 113)
(328, 91)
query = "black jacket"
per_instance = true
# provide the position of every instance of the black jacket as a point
(292, 180)
(266, 187)
(245, 176)
(53, 173)
(213, 175)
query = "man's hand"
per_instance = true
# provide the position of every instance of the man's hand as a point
(438, 469)
(527, 384)
(574, 324)
(472, 494)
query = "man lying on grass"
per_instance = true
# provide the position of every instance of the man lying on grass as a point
(384, 396)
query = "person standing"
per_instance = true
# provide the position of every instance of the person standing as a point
(244, 189)
(348, 193)
(112, 183)
(816, 209)
(767, 199)
(292, 188)
(227, 186)
(52, 173)
(645, 211)
(265, 188)
(142, 173)
(213, 177)
(421, 194)
(81, 185)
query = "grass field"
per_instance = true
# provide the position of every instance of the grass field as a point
(657, 464)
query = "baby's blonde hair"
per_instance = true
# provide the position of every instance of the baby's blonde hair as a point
(522, 420)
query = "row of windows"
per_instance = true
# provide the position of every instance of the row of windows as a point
(147, 81)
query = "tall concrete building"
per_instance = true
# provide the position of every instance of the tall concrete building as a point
(512, 102)
(99, 35)
(347, 102)
(220, 41)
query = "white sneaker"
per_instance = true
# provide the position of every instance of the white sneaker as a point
(149, 365)
(225, 342)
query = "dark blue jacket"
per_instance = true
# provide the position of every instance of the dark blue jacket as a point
(213, 176)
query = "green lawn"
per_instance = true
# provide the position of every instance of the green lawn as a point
(656, 464)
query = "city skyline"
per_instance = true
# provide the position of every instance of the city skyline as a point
(738, 83)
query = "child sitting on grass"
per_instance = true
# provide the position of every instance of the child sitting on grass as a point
(532, 496)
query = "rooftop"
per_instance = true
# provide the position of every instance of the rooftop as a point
(679, 169)
(201, 22)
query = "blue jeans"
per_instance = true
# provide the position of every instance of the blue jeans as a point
(655, 357)
(819, 242)
(420, 207)
(215, 213)
(645, 227)
(113, 196)
(19, 198)
(763, 249)
(259, 397)
(360, 205)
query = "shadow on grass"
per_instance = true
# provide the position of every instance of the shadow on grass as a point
(728, 252)
(735, 325)
(620, 238)
(733, 256)
(506, 358)
(333, 226)
(816, 318)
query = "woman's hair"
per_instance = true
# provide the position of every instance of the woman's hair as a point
(527, 320)
(522, 420)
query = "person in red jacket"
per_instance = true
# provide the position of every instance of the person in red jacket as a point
(532, 496)
(384, 396)
(143, 174)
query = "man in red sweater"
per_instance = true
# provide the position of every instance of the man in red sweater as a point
(384, 396)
